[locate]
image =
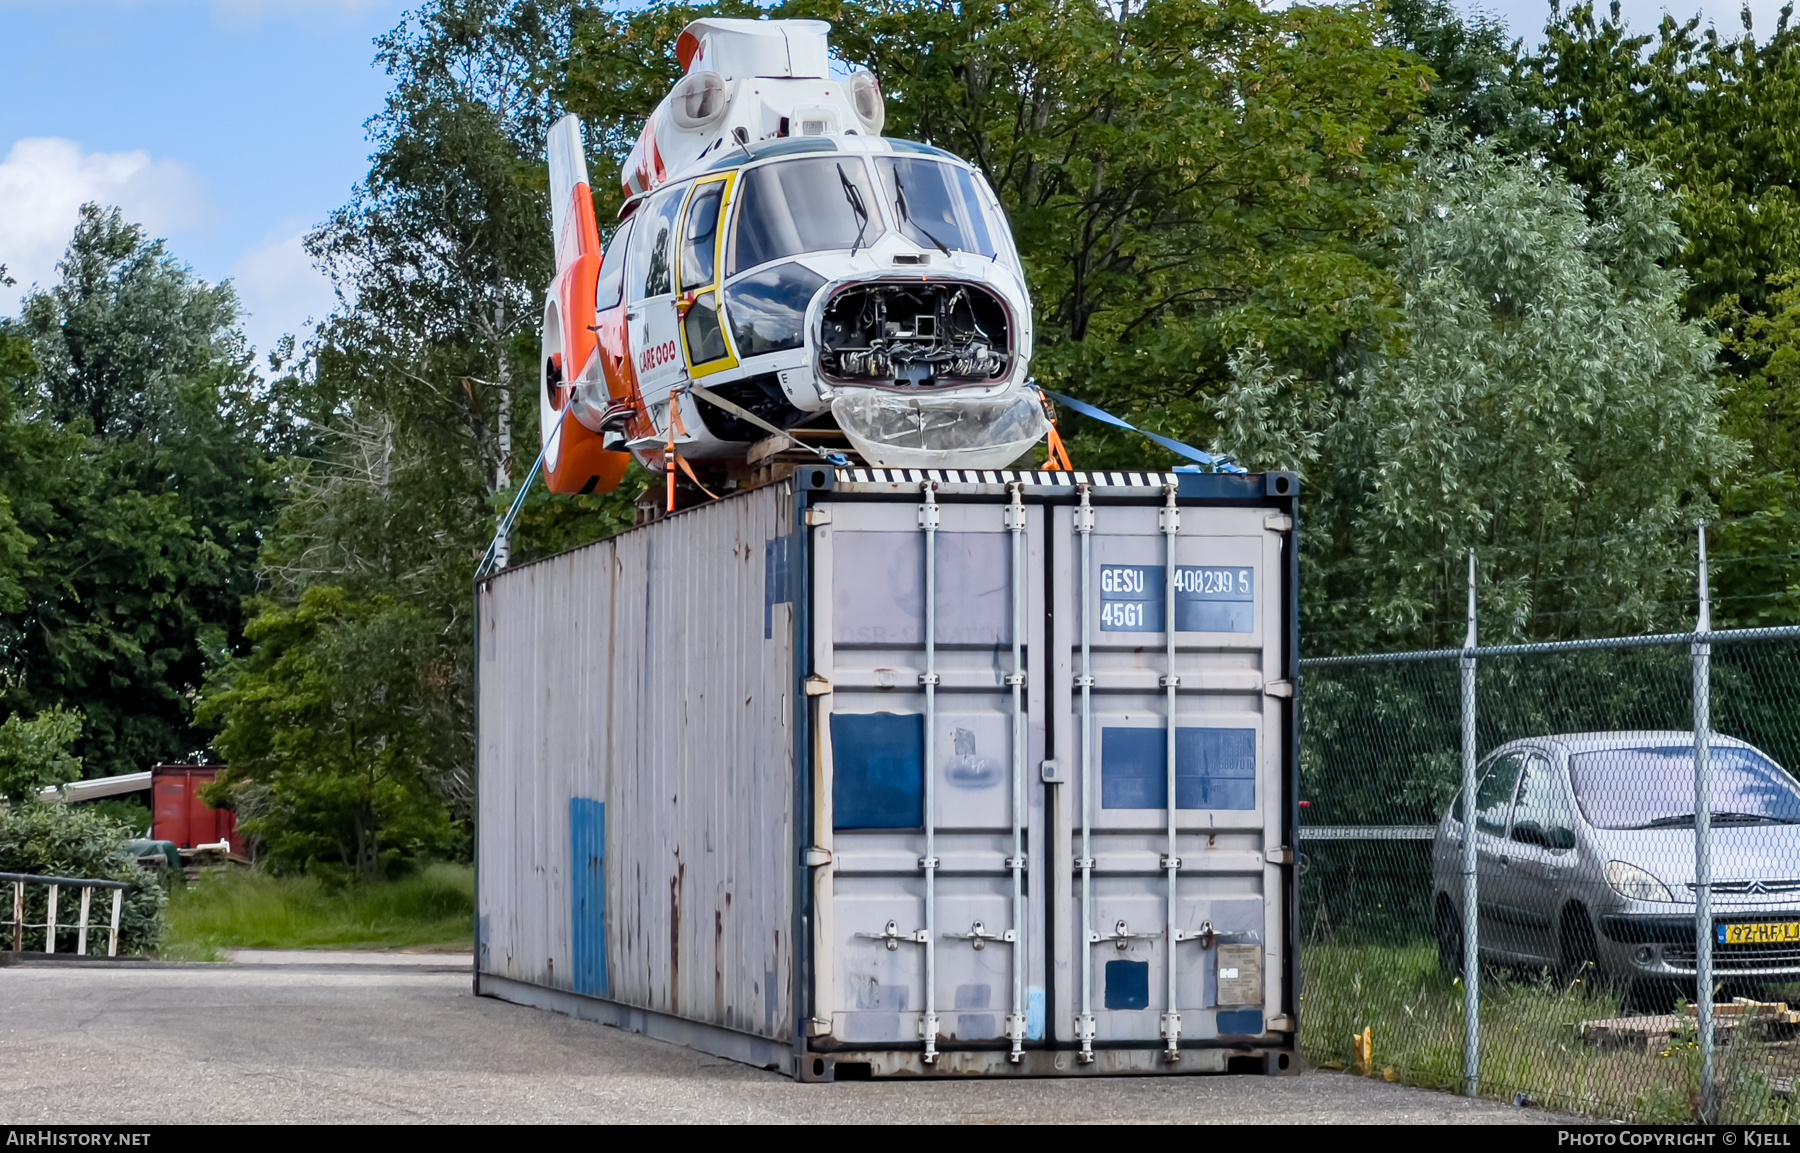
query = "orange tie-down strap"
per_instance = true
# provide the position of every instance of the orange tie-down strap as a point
(1059, 453)
(677, 425)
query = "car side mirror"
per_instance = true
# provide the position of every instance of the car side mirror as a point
(1530, 833)
(1562, 838)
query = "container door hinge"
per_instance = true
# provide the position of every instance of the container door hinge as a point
(1280, 522)
(1052, 772)
(818, 516)
(1280, 855)
(814, 856)
(1281, 1024)
(1282, 689)
(818, 1027)
(817, 686)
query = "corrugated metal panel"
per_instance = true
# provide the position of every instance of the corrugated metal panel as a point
(636, 674)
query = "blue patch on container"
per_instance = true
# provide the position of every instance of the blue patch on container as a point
(1034, 1013)
(878, 778)
(775, 581)
(1240, 1023)
(1214, 768)
(1128, 984)
(587, 894)
(1208, 598)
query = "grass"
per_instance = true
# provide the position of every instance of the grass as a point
(251, 910)
(1531, 1040)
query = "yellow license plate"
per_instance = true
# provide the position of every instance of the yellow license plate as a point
(1763, 933)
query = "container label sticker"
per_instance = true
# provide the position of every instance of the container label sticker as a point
(1208, 599)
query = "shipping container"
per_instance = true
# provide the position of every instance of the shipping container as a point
(179, 816)
(801, 777)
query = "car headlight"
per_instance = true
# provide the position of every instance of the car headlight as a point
(1631, 881)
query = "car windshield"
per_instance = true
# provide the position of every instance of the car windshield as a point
(935, 204)
(815, 204)
(1650, 788)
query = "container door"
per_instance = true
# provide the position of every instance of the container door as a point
(1172, 900)
(169, 795)
(928, 725)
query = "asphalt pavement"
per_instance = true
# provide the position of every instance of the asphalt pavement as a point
(379, 1038)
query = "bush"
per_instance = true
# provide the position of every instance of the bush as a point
(72, 841)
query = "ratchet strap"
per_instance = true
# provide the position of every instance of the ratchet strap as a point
(1204, 459)
(836, 459)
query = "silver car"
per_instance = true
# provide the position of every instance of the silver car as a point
(1584, 847)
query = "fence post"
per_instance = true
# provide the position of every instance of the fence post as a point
(1703, 926)
(1471, 924)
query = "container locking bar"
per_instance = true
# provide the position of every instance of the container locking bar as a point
(895, 938)
(928, 680)
(1084, 1024)
(1169, 520)
(979, 935)
(1122, 936)
(1015, 1021)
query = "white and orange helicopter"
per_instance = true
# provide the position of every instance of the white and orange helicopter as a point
(780, 265)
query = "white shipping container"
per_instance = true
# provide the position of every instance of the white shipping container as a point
(801, 777)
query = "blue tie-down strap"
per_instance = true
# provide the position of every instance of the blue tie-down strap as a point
(1204, 459)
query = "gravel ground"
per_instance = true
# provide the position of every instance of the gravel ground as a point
(391, 1042)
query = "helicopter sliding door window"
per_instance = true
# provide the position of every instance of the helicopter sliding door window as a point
(650, 293)
(609, 293)
(707, 351)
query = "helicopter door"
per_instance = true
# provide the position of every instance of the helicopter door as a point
(650, 310)
(703, 337)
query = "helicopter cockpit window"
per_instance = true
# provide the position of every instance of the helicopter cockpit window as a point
(648, 268)
(816, 204)
(936, 204)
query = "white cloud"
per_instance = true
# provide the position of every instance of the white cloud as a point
(281, 290)
(44, 181)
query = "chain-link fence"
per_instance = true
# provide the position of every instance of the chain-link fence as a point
(1581, 884)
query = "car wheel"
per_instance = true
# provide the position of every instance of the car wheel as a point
(1580, 950)
(1449, 939)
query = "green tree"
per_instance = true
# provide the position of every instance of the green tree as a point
(34, 754)
(329, 731)
(136, 482)
(1546, 404)
(1718, 117)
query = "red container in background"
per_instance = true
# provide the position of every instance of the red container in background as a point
(182, 817)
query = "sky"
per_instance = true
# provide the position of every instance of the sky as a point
(231, 127)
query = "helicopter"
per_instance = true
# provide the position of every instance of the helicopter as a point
(779, 266)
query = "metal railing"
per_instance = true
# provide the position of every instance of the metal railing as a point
(50, 925)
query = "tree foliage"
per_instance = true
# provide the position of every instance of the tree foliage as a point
(1545, 403)
(331, 728)
(34, 754)
(134, 489)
